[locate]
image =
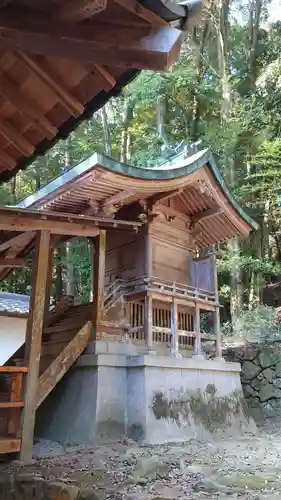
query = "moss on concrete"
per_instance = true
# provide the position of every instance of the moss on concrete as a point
(206, 407)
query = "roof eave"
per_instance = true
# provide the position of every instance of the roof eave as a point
(186, 167)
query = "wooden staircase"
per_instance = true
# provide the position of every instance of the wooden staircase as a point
(66, 333)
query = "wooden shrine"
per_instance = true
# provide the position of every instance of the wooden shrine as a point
(148, 227)
(61, 61)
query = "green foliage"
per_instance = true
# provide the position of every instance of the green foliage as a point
(248, 146)
(255, 325)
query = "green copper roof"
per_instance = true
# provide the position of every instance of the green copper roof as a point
(178, 166)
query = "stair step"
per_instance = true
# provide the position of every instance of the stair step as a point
(64, 336)
(52, 348)
(8, 445)
(62, 327)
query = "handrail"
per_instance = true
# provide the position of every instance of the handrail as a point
(161, 285)
(13, 369)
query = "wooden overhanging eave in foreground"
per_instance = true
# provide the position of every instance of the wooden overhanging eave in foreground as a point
(62, 61)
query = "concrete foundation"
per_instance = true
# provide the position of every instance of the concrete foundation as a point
(152, 399)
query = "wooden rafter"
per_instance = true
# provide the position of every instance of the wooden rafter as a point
(117, 199)
(142, 48)
(109, 79)
(72, 105)
(8, 160)
(162, 197)
(78, 10)
(12, 262)
(205, 214)
(145, 14)
(27, 106)
(15, 137)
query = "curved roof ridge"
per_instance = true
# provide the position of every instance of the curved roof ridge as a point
(169, 170)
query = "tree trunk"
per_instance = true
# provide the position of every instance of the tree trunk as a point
(236, 282)
(253, 32)
(106, 133)
(69, 271)
(125, 150)
(200, 70)
(59, 273)
(14, 190)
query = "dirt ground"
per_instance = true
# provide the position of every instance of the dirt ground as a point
(248, 467)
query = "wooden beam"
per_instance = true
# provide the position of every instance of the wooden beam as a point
(8, 445)
(98, 279)
(143, 13)
(148, 321)
(26, 105)
(15, 137)
(174, 329)
(53, 374)
(141, 48)
(205, 214)
(33, 339)
(197, 327)
(7, 159)
(117, 199)
(163, 196)
(78, 10)
(70, 103)
(21, 219)
(12, 404)
(19, 240)
(12, 262)
(13, 369)
(109, 79)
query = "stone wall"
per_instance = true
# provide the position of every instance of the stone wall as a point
(260, 377)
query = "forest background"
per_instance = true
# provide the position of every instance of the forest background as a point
(225, 91)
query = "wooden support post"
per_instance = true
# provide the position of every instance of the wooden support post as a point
(217, 326)
(148, 323)
(148, 254)
(217, 330)
(49, 280)
(174, 330)
(33, 339)
(197, 347)
(98, 279)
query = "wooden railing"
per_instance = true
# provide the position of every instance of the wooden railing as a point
(11, 408)
(135, 285)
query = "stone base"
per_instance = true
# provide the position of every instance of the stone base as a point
(152, 399)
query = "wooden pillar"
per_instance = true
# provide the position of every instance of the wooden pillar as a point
(217, 326)
(148, 254)
(174, 330)
(33, 339)
(49, 279)
(148, 323)
(98, 278)
(217, 331)
(197, 346)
